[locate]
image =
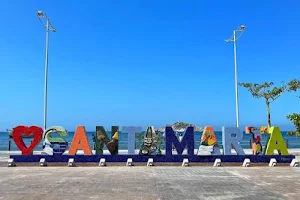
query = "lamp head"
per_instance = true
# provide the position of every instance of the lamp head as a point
(242, 28)
(40, 13)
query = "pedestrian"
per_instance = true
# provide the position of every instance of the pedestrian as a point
(180, 137)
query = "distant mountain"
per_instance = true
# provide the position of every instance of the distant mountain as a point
(181, 126)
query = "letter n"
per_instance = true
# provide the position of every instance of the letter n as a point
(187, 141)
(102, 138)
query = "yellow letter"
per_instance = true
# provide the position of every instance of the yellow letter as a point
(276, 142)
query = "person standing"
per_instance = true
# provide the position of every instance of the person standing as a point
(180, 137)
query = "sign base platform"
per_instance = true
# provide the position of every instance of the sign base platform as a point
(156, 158)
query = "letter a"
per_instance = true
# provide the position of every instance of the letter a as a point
(276, 142)
(80, 142)
(209, 144)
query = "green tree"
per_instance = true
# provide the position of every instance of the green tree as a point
(295, 119)
(267, 91)
(294, 85)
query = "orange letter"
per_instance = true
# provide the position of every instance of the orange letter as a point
(208, 144)
(80, 142)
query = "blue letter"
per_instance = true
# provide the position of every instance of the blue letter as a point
(231, 137)
(131, 130)
(187, 140)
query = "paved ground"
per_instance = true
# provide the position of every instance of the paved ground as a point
(149, 183)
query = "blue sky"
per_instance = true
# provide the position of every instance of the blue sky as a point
(145, 62)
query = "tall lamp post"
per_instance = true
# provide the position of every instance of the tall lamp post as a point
(48, 26)
(237, 33)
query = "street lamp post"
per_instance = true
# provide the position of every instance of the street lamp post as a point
(48, 26)
(233, 39)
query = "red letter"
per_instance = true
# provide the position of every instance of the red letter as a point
(18, 133)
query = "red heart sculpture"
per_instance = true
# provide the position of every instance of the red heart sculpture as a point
(17, 135)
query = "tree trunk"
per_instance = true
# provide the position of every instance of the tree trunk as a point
(269, 113)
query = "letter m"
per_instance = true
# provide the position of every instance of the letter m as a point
(187, 141)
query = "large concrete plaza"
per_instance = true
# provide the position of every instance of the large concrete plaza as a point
(141, 182)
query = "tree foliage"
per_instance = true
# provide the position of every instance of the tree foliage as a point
(266, 90)
(294, 85)
(295, 119)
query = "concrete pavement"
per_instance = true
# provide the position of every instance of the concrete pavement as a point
(140, 182)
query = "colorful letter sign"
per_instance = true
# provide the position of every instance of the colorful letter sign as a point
(255, 139)
(152, 144)
(131, 131)
(187, 141)
(209, 144)
(231, 137)
(55, 145)
(102, 138)
(80, 142)
(276, 142)
(17, 135)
